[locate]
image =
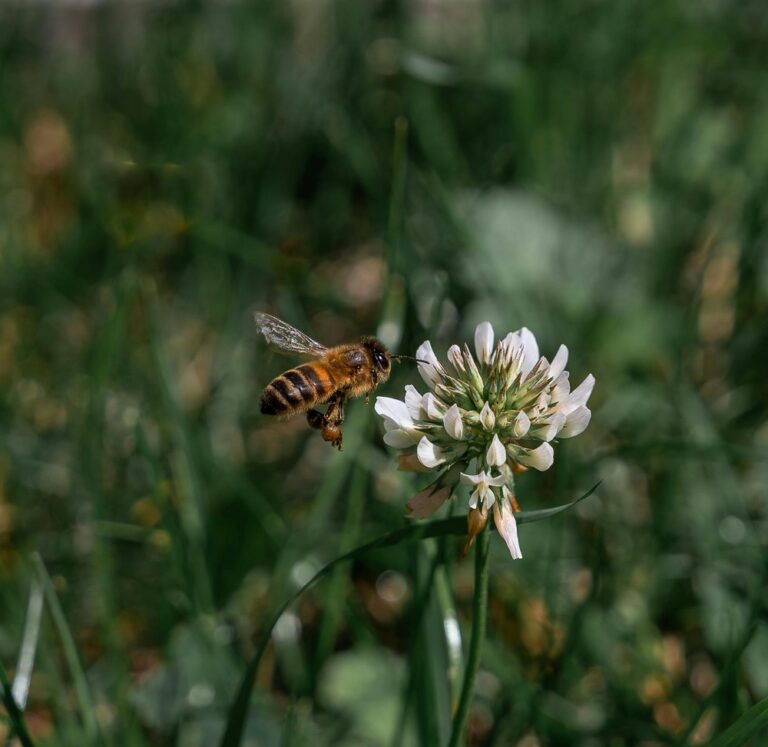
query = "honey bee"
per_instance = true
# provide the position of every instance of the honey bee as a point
(335, 375)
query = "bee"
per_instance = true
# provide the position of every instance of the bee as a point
(335, 375)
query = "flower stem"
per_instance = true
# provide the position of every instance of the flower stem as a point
(479, 614)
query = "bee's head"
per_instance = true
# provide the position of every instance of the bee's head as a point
(379, 355)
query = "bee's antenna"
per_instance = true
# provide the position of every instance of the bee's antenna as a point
(408, 358)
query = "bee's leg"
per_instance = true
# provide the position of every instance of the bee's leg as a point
(375, 380)
(316, 419)
(332, 420)
(342, 404)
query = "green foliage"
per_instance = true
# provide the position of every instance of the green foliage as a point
(594, 171)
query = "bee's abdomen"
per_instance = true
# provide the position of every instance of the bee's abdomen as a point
(297, 390)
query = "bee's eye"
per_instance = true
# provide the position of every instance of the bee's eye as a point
(381, 360)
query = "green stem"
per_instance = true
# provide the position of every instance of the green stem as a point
(479, 615)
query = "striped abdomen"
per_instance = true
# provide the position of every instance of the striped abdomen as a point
(297, 390)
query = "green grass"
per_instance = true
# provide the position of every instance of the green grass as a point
(596, 172)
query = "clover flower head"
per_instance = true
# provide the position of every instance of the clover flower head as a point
(482, 420)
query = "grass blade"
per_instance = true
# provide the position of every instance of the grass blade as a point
(455, 525)
(79, 680)
(15, 715)
(26, 662)
(744, 727)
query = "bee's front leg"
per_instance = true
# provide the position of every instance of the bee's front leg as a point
(375, 381)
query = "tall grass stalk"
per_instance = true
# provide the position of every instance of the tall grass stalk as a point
(479, 618)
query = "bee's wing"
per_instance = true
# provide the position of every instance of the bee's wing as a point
(283, 336)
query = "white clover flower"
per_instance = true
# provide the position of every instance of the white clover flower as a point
(484, 420)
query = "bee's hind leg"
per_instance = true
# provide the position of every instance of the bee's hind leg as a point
(332, 420)
(316, 419)
(328, 426)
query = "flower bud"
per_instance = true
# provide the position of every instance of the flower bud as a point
(434, 408)
(496, 454)
(473, 372)
(510, 497)
(540, 458)
(477, 518)
(453, 424)
(484, 342)
(487, 418)
(429, 454)
(456, 359)
(522, 424)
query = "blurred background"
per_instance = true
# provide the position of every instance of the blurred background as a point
(595, 171)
